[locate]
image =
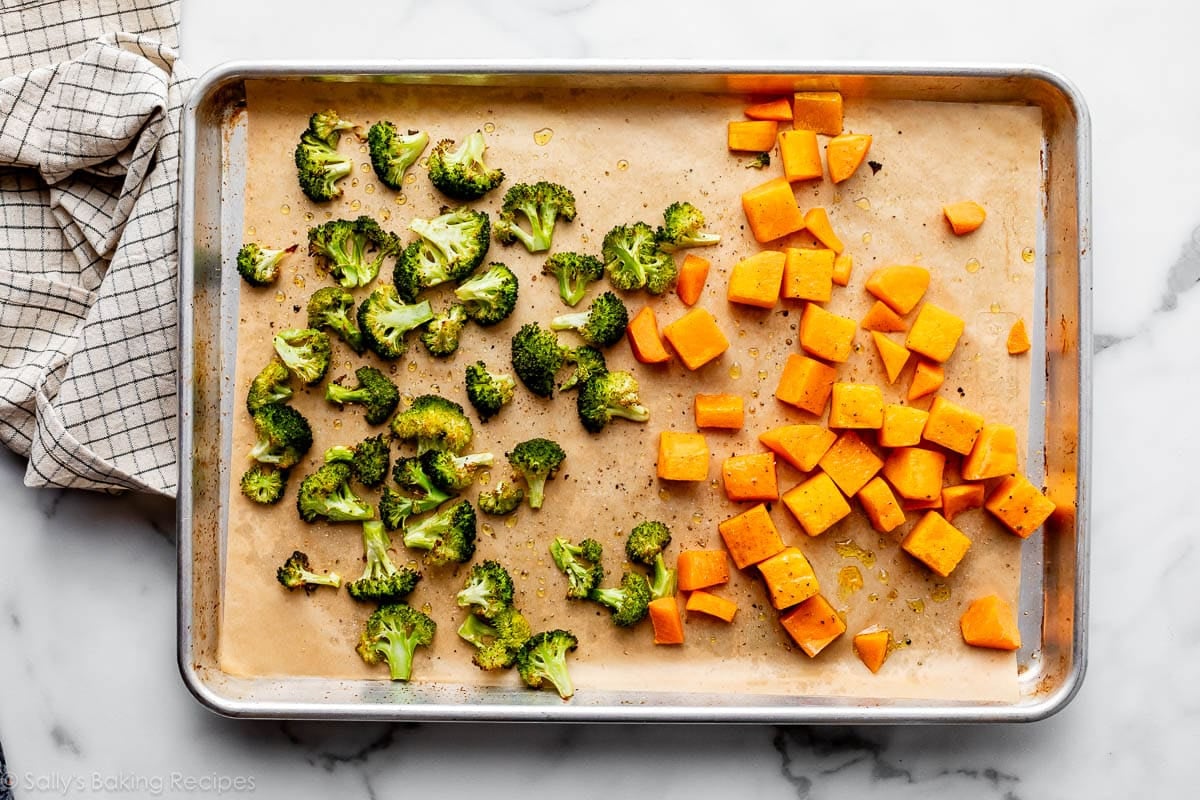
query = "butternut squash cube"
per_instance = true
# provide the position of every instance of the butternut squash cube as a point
(806, 383)
(915, 472)
(817, 504)
(921, 505)
(751, 537)
(936, 543)
(845, 154)
(800, 445)
(771, 210)
(644, 340)
(1018, 339)
(800, 155)
(880, 505)
(808, 274)
(826, 335)
(1019, 505)
(927, 379)
(901, 287)
(934, 333)
(779, 109)
(871, 647)
(856, 405)
(789, 577)
(755, 281)
(993, 455)
(842, 267)
(816, 220)
(952, 426)
(817, 111)
(664, 618)
(893, 356)
(700, 569)
(696, 338)
(704, 602)
(682, 456)
(750, 477)
(752, 135)
(902, 426)
(724, 411)
(990, 622)
(961, 497)
(964, 217)
(881, 318)
(850, 463)
(813, 625)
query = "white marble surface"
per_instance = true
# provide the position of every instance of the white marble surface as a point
(90, 699)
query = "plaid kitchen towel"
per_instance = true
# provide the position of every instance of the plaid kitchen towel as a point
(90, 100)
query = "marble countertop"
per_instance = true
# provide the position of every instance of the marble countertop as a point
(90, 697)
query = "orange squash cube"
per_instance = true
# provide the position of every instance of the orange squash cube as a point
(921, 505)
(936, 543)
(964, 217)
(990, 622)
(952, 426)
(755, 281)
(993, 455)
(644, 341)
(817, 111)
(902, 426)
(752, 135)
(801, 155)
(927, 379)
(934, 333)
(724, 411)
(850, 463)
(817, 504)
(693, 274)
(800, 445)
(871, 647)
(893, 356)
(779, 109)
(751, 536)
(664, 617)
(845, 153)
(961, 497)
(1018, 339)
(806, 383)
(808, 274)
(789, 577)
(813, 625)
(682, 456)
(816, 220)
(856, 405)
(700, 569)
(915, 472)
(750, 477)
(1019, 505)
(771, 210)
(880, 505)
(842, 266)
(826, 335)
(696, 338)
(706, 603)
(881, 318)
(900, 287)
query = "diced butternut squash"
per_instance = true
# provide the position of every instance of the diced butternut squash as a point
(856, 405)
(704, 602)
(800, 445)
(901, 287)
(801, 156)
(750, 477)
(882, 318)
(936, 543)
(813, 625)
(842, 266)
(817, 504)
(871, 647)
(725, 411)
(921, 505)
(755, 281)
(817, 111)
(934, 333)
(845, 153)
(850, 463)
(964, 217)
(953, 427)
(894, 356)
(915, 472)
(806, 383)
(816, 220)
(1019, 505)
(700, 569)
(751, 536)
(990, 622)
(994, 454)
(682, 456)
(927, 379)
(664, 617)
(779, 109)
(902, 426)
(693, 273)
(1018, 339)
(961, 497)
(752, 135)
(644, 341)
(771, 210)
(880, 505)
(808, 274)
(789, 577)
(826, 335)
(696, 338)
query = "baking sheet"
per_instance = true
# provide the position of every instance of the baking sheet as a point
(626, 155)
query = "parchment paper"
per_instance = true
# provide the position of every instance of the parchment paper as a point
(627, 155)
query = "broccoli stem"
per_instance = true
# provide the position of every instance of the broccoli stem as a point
(665, 580)
(537, 490)
(336, 393)
(398, 650)
(376, 544)
(570, 322)
(474, 630)
(555, 671)
(323, 580)
(339, 453)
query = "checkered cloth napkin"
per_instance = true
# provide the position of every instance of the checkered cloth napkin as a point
(90, 101)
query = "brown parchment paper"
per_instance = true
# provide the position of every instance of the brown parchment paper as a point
(627, 155)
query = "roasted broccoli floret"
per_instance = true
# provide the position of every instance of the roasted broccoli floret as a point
(612, 394)
(375, 392)
(305, 351)
(449, 247)
(645, 545)
(540, 204)
(543, 660)
(588, 361)
(488, 391)
(327, 493)
(683, 226)
(393, 633)
(381, 581)
(489, 297)
(263, 484)
(434, 423)
(319, 165)
(328, 126)
(580, 563)
(353, 250)
(258, 265)
(461, 173)
(497, 642)
(395, 508)
(504, 499)
(284, 436)
(448, 534)
(487, 590)
(634, 260)
(410, 475)
(441, 333)
(574, 272)
(392, 152)
(384, 319)
(536, 358)
(332, 308)
(602, 325)
(760, 161)
(273, 384)
(294, 574)
(370, 459)
(536, 460)
(452, 473)
(629, 603)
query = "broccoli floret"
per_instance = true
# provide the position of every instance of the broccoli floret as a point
(370, 459)
(264, 484)
(327, 493)
(760, 161)
(381, 581)
(392, 153)
(305, 351)
(543, 659)
(258, 265)
(284, 436)
(435, 423)
(488, 391)
(441, 334)
(489, 297)
(340, 453)
(588, 361)
(497, 642)
(328, 126)
(504, 499)
(353, 250)
(452, 473)
(332, 308)
(449, 247)
(410, 475)
(319, 166)
(536, 358)
(487, 590)
(273, 384)
(294, 574)
(461, 173)
(580, 563)
(375, 392)
(629, 603)
(683, 227)
(574, 272)
(448, 534)
(537, 460)
(612, 394)
(384, 319)
(634, 260)
(393, 633)
(395, 508)
(540, 204)
(645, 545)
(602, 325)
